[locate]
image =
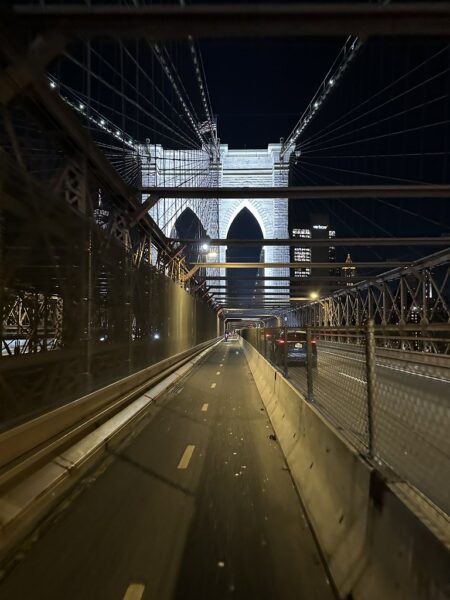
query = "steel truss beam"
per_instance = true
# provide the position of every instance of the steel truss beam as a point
(286, 301)
(249, 294)
(299, 280)
(244, 309)
(298, 192)
(301, 242)
(231, 21)
(291, 265)
(261, 289)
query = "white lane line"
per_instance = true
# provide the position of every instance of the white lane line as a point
(355, 378)
(416, 374)
(221, 365)
(205, 407)
(213, 385)
(187, 455)
(218, 373)
(389, 367)
(134, 591)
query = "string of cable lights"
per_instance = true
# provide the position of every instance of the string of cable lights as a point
(335, 74)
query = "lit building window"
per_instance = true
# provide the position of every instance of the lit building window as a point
(301, 233)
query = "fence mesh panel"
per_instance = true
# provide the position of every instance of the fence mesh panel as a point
(411, 420)
(393, 405)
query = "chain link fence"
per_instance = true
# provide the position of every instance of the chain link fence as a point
(392, 404)
(78, 311)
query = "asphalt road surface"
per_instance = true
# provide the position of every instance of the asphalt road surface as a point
(199, 505)
(411, 413)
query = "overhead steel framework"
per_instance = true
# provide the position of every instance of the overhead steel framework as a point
(292, 265)
(300, 192)
(233, 21)
(299, 242)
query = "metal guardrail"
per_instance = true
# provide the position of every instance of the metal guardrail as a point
(29, 444)
(392, 404)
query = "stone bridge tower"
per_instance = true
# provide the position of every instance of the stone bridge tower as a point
(237, 168)
(257, 168)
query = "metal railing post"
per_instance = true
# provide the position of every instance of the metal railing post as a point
(371, 378)
(309, 365)
(285, 352)
(86, 315)
(272, 348)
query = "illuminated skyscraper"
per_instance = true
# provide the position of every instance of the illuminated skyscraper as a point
(317, 228)
(302, 254)
(349, 271)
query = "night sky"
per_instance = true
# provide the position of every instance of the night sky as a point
(259, 89)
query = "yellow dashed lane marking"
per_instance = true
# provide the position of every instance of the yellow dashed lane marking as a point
(134, 591)
(187, 455)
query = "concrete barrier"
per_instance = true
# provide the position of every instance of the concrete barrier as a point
(380, 538)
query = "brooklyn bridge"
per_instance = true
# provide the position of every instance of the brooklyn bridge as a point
(225, 300)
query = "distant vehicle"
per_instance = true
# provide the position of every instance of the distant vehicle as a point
(231, 335)
(296, 348)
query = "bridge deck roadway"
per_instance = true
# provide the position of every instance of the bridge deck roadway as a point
(200, 505)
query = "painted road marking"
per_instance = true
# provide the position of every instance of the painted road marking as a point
(389, 367)
(135, 591)
(218, 373)
(187, 455)
(355, 378)
(205, 407)
(221, 365)
(213, 385)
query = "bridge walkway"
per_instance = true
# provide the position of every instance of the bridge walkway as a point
(199, 505)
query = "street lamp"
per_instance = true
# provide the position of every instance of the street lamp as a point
(324, 305)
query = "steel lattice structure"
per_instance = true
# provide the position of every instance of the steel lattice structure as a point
(414, 296)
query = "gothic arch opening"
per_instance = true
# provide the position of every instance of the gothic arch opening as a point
(247, 204)
(243, 226)
(189, 226)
